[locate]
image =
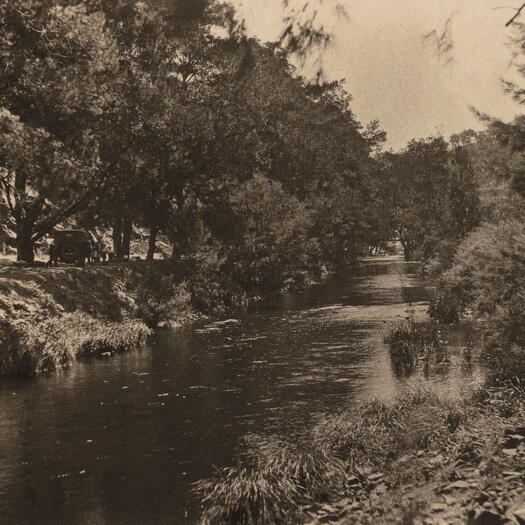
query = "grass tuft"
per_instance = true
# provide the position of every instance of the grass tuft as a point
(377, 431)
(271, 489)
(56, 342)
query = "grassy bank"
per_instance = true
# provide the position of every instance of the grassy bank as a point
(33, 348)
(52, 317)
(420, 458)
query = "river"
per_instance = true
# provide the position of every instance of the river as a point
(120, 440)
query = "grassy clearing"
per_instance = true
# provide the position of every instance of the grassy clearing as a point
(412, 342)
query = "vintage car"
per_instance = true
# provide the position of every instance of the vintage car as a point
(70, 247)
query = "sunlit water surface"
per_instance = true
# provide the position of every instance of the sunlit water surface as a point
(120, 440)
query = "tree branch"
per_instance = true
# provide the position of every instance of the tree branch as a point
(8, 199)
(7, 190)
(45, 226)
(518, 12)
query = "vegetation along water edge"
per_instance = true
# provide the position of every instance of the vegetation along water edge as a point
(51, 317)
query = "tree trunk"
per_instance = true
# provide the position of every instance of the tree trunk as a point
(127, 230)
(24, 246)
(117, 238)
(152, 242)
(408, 252)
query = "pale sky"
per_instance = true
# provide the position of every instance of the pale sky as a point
(394, 76)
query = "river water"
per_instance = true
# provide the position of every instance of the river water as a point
(120, 440)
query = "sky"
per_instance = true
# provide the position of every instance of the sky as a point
(396, 77)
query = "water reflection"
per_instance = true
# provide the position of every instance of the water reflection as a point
(120, 440)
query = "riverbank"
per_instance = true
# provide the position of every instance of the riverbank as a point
(425, 456)
(50, 317)
(420, 459)
(426, 459)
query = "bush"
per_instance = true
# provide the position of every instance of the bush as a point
(160, 299)
(487, 282)
(411, 341)
(212, 286)
(489, 268)
(273, 240)
(506, 365)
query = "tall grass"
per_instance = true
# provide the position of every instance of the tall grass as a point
(379, 431)
(271, 489)
(14, 360)
(412, 342)
(374, 438)
(58, 341)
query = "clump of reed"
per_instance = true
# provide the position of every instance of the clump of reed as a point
(279, 478)
(58, 341)
(411, 342)
(377, 431)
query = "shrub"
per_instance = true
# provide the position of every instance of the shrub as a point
(489, 268)
(212, 288)
(487, 281)
(160, 299)
(506, 364)
(273, 240)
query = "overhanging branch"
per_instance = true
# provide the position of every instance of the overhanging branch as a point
(518, 12)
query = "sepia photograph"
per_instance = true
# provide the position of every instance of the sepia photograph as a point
(262, 262)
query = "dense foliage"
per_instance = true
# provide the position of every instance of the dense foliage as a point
(482, 277)
(154, 118)
(431, 195)
(162, 121)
